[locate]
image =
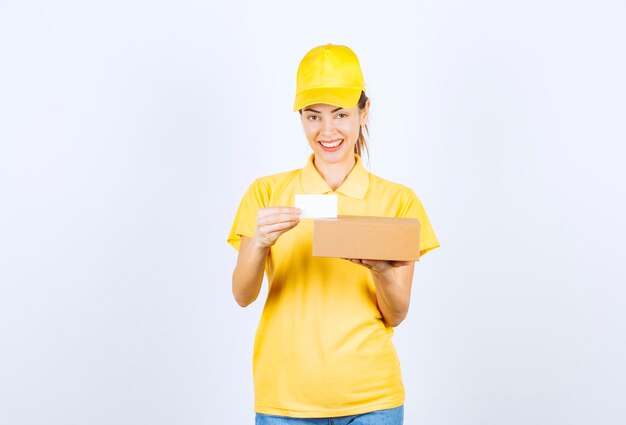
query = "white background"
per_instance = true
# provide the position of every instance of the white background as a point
(129, 131)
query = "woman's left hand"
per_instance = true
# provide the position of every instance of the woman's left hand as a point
(379, 266)
(392, 280)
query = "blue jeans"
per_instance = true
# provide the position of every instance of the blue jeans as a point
(393, 416)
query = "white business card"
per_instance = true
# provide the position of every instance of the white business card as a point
(317, 206)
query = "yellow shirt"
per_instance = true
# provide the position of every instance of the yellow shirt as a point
(321, 347)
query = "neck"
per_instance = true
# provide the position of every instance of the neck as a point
(334, 173)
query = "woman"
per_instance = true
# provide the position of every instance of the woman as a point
(323, 346)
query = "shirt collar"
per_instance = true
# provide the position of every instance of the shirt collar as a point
(355, 185)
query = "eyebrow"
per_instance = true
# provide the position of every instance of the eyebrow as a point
(313, 110)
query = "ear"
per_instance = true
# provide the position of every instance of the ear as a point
(365, 112)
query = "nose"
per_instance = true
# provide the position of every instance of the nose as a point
(328, 127)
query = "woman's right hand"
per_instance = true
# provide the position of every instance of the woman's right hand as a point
(273, 222)
(248, 274)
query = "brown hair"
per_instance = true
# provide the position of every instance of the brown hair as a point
(361, 142)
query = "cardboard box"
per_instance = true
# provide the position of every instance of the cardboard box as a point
(367, 238)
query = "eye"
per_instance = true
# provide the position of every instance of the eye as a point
(312, 117)
(340, 114)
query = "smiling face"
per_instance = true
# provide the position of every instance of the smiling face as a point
(332, 132)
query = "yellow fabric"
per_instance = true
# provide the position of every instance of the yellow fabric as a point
(321, 347)
(330, 73)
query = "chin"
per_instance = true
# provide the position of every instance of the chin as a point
(334, 157)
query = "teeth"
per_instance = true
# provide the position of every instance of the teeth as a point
(331, 145)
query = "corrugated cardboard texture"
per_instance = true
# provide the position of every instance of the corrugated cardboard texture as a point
(367, 238)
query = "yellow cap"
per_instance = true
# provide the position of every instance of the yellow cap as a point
(331, 74)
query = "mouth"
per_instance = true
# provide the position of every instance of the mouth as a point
(330, 145)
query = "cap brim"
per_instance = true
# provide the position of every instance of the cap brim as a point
(344, 97)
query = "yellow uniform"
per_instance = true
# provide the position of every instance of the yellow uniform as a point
(321, 347)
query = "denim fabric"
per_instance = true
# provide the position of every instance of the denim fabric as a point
(393, 416)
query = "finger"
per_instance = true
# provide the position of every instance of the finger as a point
(276, 227)
(400, 263)
(369, 264)
(293, 222)
(278, 210)
(275, 235)
(361, 262)
(277, 218)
